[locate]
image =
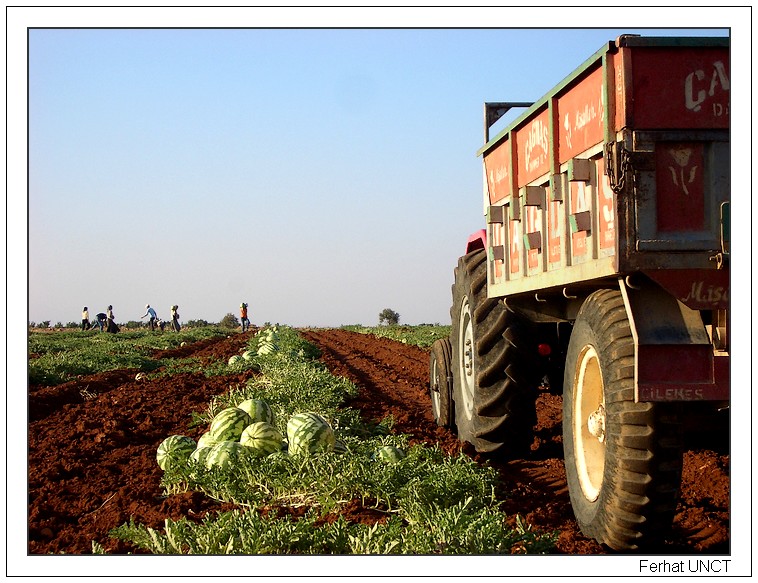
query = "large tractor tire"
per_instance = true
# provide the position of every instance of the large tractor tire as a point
(623, 459)
(494, 380)
(440, 383)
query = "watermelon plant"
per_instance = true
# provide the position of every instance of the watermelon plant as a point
(434, 503)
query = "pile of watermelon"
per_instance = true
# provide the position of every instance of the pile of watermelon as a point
(248, 429)
(268, 340)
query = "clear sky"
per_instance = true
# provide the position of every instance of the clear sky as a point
(320, 175)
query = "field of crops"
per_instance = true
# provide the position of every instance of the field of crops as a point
(95, 485)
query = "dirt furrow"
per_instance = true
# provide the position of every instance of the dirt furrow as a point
(393, 380)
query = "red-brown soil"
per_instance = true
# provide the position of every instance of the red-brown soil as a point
(92, 444)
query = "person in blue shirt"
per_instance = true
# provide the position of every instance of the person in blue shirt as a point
(153, 316)
(100, 320)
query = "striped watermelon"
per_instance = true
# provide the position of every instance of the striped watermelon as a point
(200, 454)
(389, 454)
(206, 440)
(248, 354)
(224, 454)
(235, 360)
(309, 433)
(257, 409)
(228, 424)
(174, 450)
(266, 347)
(262, 437)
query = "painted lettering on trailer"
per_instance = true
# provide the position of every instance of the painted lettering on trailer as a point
(700, 86)
(532, 142)
(693, 90)
(581, 113)
(497, 167)
(671, 394)
(711, 295)
(536, 146)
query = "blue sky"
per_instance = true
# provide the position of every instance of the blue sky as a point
(318, 175)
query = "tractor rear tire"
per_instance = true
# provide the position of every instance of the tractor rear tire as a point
(623, 459)
(440, 383)
(494, 377)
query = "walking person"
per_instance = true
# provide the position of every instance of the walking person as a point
(111, 321)
(85, 319)
(153, 316)
(243, 317)
(175, 318)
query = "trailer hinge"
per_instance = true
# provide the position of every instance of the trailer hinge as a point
(618, 165)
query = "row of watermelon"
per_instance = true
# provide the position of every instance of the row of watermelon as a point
(249, 427)
(267, 342)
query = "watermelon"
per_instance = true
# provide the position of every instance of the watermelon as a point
(257, 409)
(235, 360)
(228, 424)
(389, 454)
(262, 437)
(174, 450)
(266, 348)
(309, 433)
(224, 454)
(206, 440)
(200, 454)
(248, 354)
(340, 446)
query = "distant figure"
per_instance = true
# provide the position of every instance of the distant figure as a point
(85, 319)
(153, 316)
(111, 321)
(100, 320)
(175, 318)
(243, 317)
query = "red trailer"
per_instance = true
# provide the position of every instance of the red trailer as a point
(603, 268)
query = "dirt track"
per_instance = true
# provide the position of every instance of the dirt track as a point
(393, 379)
(92, 449)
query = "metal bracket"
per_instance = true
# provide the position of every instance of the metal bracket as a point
(493, 111)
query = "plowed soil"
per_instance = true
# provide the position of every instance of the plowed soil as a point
(92, 446)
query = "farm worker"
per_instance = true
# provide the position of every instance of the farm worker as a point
(85, 319)
(153, 316)
(175, 318)
(111, 325)
(100, 320)
(243, 317)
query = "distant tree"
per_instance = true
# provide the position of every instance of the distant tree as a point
(229, 321)
(196, 324)
(44, 324)
(389, 317)
(73, 325)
